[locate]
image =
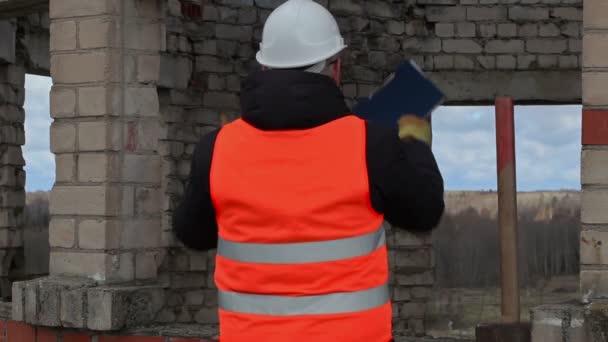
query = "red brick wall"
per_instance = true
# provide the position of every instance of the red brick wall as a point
(12, 331)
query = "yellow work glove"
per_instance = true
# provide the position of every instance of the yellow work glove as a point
(414, 127)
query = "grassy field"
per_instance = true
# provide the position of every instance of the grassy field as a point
(456, 312)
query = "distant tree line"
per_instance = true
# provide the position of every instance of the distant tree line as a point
(467, 248)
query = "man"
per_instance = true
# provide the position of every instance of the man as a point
(295, 195)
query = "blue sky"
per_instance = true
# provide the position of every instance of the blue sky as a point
(547, 144)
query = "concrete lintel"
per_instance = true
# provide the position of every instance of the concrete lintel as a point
(18, 8)
(527, 87)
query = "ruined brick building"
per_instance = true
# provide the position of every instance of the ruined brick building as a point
(137, 82)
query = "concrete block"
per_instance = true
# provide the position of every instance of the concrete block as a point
(348, 7)
(405, 238)
(575, 45)
(525, 61)
(595, 45)
(445, 14)
(594, 202)
(221, 100)
(548, 61)
(198, 262)
(594, 164)
(546, 45)
(461, 46)
(594, 16)
(141, 168)
(31, 302)
(97, 167)
(561, 322)
(18, 301)
(142, 101)
(549, 30)
(76, 8)
(528, 30)
(62, 232)
(99, 136)
(507, 30)
(207, 316)
(65, 166)
(495, 13)
(140, 233)
(415, 279)
(12, 156)
(63, 36)
(567, 13)
(73, 307)
(571, 29)
(63, 137)
(526, 13)
(8, 31)
(401, 294)
(115, 308)
(147, 201)
(594, 284)
(62, 102)
(412, 309)
(420, 257)
(128, 201)
(505, 46)
(79, 68)
(234, 32)
(212, 64)
(93, 101)
(146, 265)
(465, 30)
(594, 249)
(99, 234)
(569, 62)
(396, 27)
(193, 280)
(595, 92)
(84, 200)
(98, 33)
(148, 68)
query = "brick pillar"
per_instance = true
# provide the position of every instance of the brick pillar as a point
(105, 206)
(12, 176)
(594, 163)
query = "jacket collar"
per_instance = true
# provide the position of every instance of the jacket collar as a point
(290, 99)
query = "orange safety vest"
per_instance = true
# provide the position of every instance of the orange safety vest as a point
(301, 254)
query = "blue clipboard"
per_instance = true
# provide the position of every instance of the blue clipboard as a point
(406, 91)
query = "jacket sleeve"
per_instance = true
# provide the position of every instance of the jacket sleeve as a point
(405, 182)
(194, 220)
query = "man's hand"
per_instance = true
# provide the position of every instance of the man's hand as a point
(414, 127)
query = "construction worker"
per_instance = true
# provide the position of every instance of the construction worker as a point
(296, 193)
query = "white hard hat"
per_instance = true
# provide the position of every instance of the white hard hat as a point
(299, 33)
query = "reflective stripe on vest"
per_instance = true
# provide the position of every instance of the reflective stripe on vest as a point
(335, 303)
(301, 253)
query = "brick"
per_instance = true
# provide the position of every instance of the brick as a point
(594, 247)
(505, 46)
(79, 68)
(207, 316)
(526, 61)
(567, 13)
(595, 47)
(146, 265)
(415, 279)
(63, 137)
(461, 46)
(443, 62)
(571, 29)
(97, 167)
(62, 232)
(84, 200)
(99, 234)
(445, 14)
(98, 136)
(412, 310)
(401, 294)
(46, 335)
(395, 27)
(105, 268)
(349, 7)
(63, 36)
(62, 102)
(234, 32)
(594, 283)
(507, 30)
(528, 30)
(65, 166)
(593, 206)
(465, 30)
(18, 331)
(444, 29)
(140, 233)
(546, 46)
(568, 62)
(75, 337)
(547, 61)
(141, 168)
(595, 92)
(549, 30)
(506, 62)
(575, 45)
(97, 33)
(525, 13)
(76, 8)
(594, 16)
(93, 101)
(196, 297)
(487, 30)
(142, 101)
(221, 100)
(486, 13)
(147, 201)
(148, 68)
(594, 127)
(487, 62)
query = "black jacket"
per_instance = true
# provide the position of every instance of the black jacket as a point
(405, 182)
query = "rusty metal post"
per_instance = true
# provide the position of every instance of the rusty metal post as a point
(507, 209)
(510, 329)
